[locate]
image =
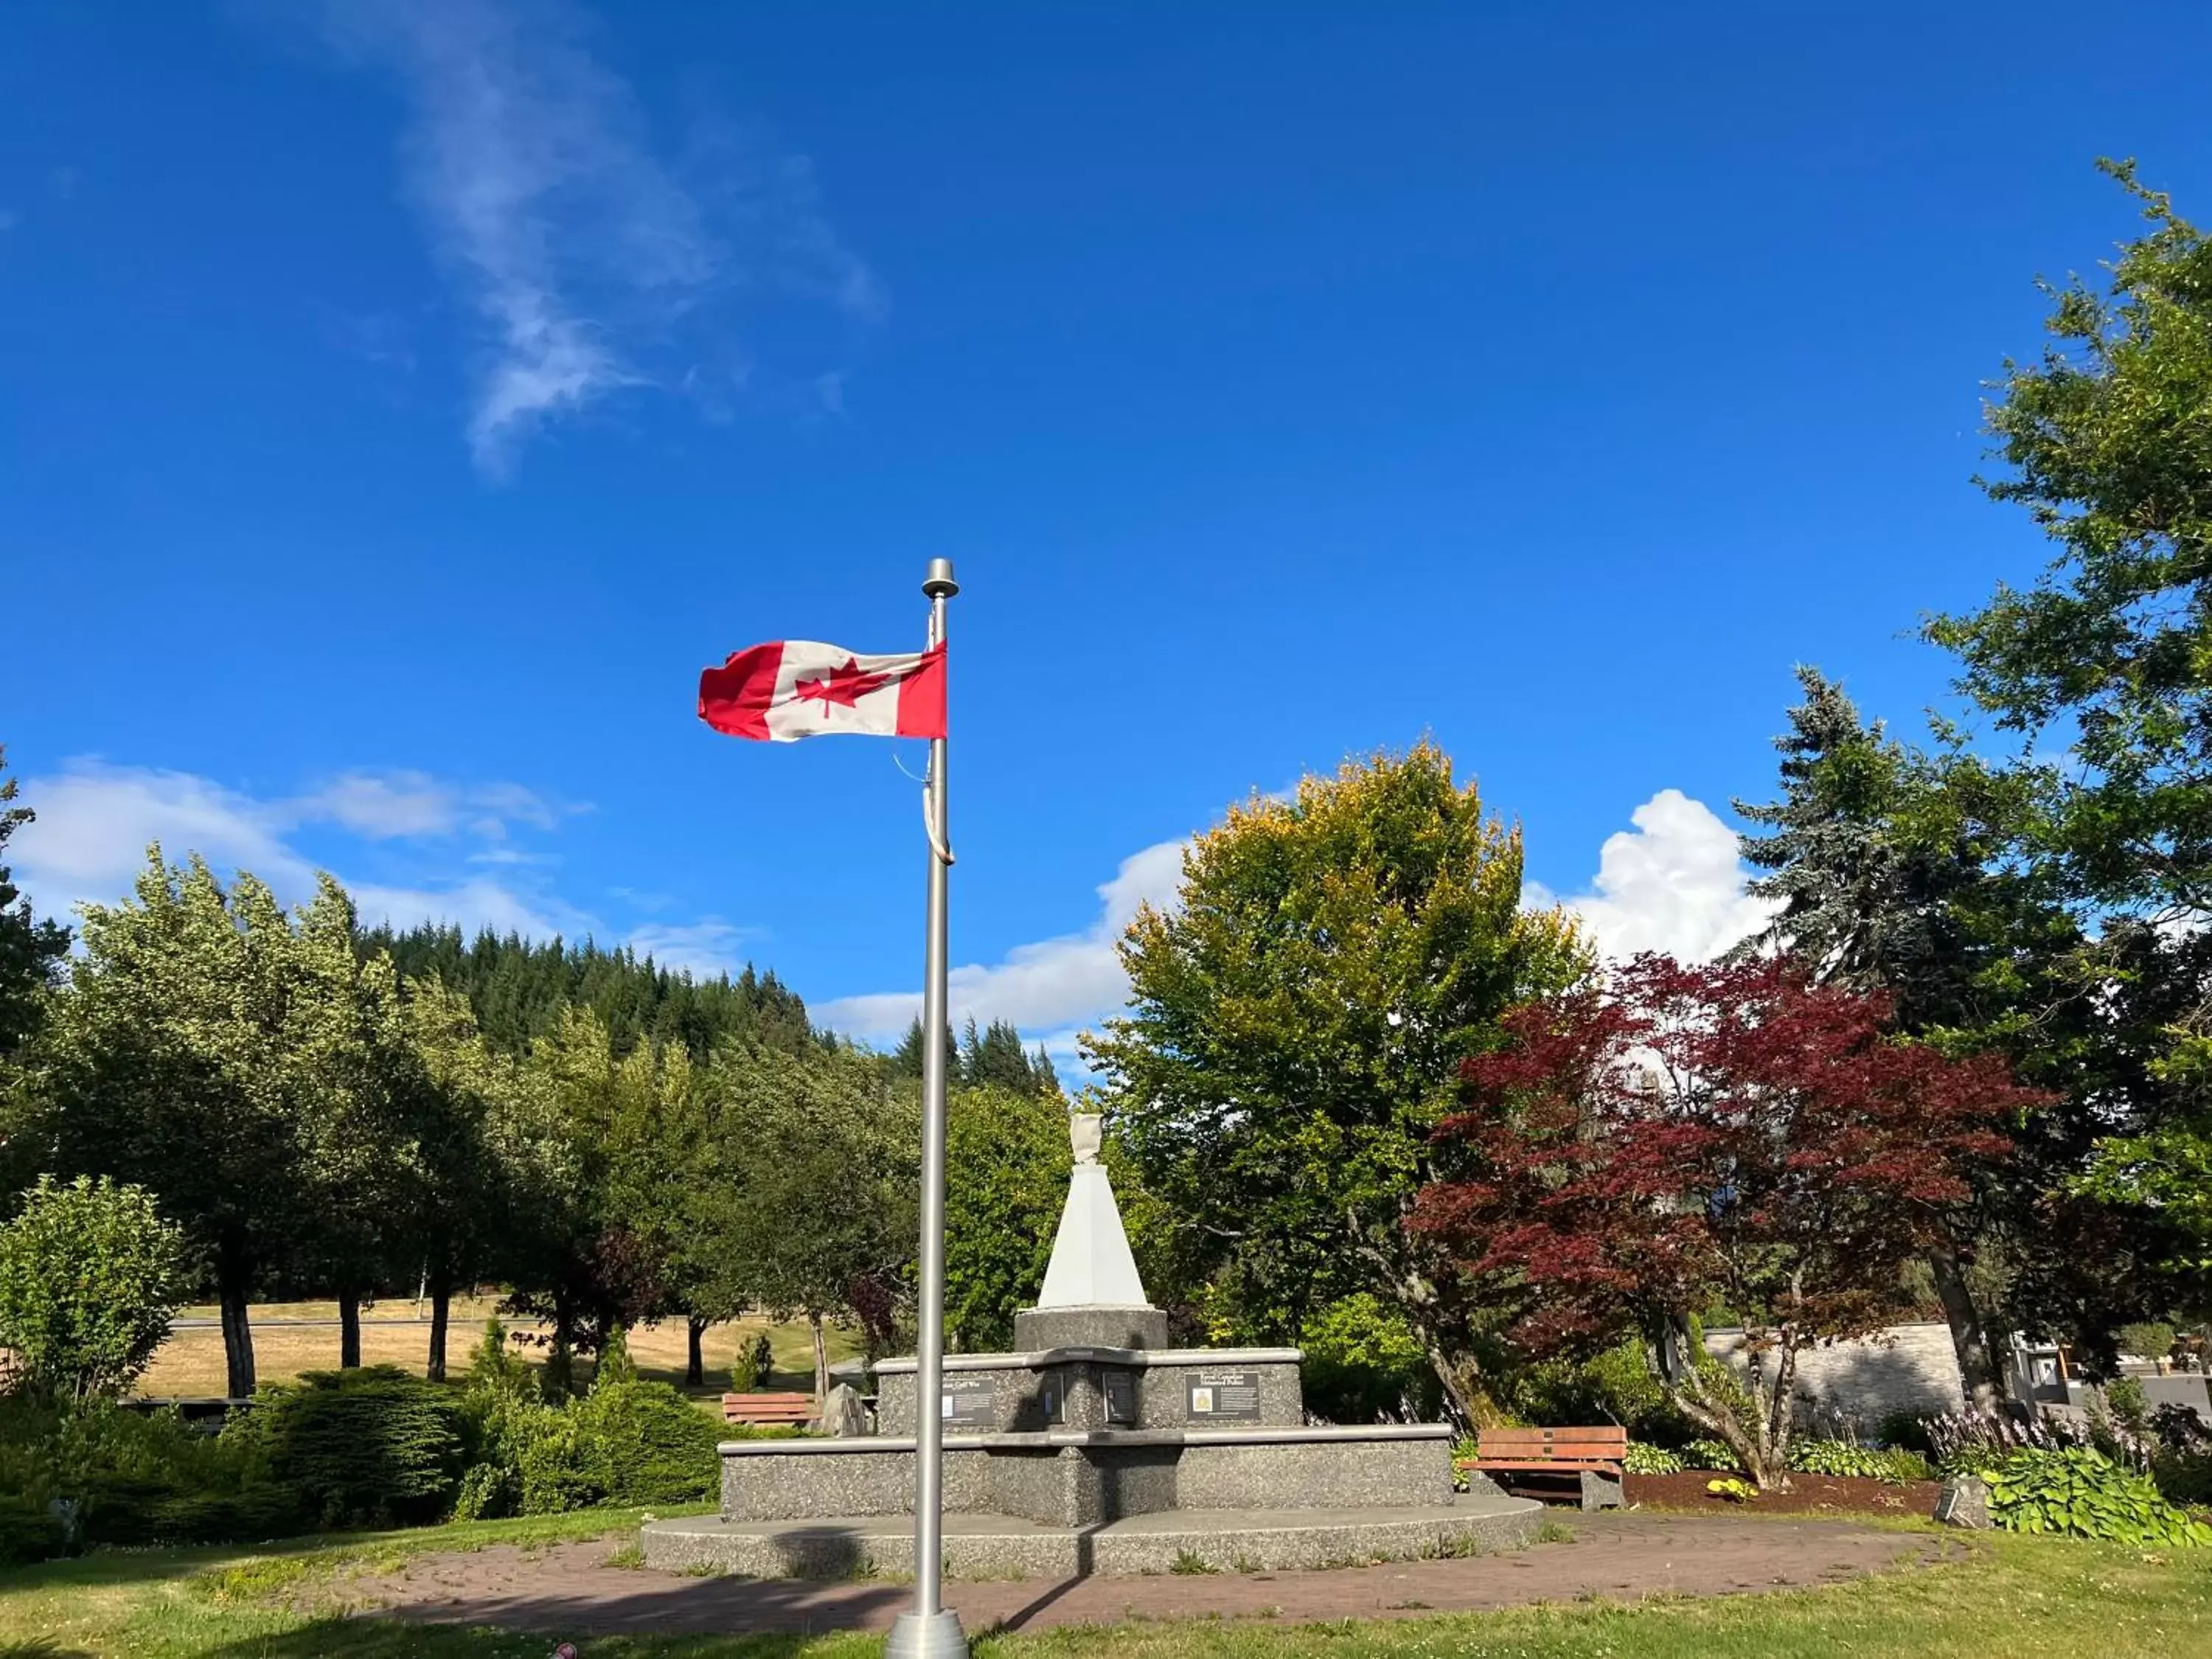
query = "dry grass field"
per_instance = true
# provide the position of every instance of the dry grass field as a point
(190, 1363)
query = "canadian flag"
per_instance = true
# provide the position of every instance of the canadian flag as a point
(787, 689)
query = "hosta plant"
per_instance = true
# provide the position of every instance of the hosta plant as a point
(1645, 1458)
(2076, 1492)
(1709, 1455)
(1842, 1458)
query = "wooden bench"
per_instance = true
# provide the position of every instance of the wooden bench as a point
(761, 1409)
(1592, 1457)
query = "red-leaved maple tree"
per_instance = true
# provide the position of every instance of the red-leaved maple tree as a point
(1680, 1138)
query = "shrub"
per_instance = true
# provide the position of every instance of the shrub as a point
(646, 1443)
(28, 1530)
(744, 1377)
(764, 1358)
(2124, 1398)
(1616, 1386)
(487, 1492)
(555, 1469)
(1708, 1455)
(1364, 1364)
(88, 1278)
(615, 1364)
(2076, 1492)
(134, 1478)
(1645, 1458)
(2150, 1340)
(372, 1445)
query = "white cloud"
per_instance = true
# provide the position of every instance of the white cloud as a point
(472, 906)
(88, 842)
(1673, 884)
(1056, 986)
(576, 246)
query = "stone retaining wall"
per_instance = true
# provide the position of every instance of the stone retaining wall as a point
(1078, 1479)
(1907, 1367)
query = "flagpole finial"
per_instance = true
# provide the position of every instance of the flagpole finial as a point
(939, 583)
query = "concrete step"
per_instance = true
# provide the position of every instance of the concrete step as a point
(1004, 1545)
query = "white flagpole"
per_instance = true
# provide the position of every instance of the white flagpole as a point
(931, 1632)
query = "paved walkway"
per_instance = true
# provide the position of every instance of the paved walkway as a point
(569, 1590)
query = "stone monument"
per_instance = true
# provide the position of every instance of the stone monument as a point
(1095, 1446)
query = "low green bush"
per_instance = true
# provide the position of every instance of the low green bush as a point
(130, 1478)
(28, 1530)
(648, 1443)
(370, 1446)
(1645, 1458)
(2076, 1492)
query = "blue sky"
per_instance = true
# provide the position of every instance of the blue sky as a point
(402, 403)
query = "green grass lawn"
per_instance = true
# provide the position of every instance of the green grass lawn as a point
(2011, 1596)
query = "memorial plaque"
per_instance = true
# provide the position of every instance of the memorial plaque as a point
(1120, 1398)
(1052, 1397)
(969, 1402)
(1224, 1396)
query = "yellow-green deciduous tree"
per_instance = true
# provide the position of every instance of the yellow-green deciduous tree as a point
(1296, 1025)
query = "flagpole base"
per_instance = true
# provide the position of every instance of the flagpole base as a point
(926, 1636)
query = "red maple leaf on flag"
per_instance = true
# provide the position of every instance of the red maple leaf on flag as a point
(842, 685)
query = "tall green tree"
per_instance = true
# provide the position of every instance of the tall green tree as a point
(362, 1105)
(1882, 885)
(2103, 671)
(494, 1158)
(31, 950)
(995, 1058)
(166, 1065)
(813, 1210)
(595, 1257)
(1296, 1025)
(1006, 1164)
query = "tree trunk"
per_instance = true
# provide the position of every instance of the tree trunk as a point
(441, 1305)
(237, 1333)
(694, 1361)
(1970, 1338)
(821, 1361)
(348, 1329)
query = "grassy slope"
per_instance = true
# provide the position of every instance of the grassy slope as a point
(2015, 1596)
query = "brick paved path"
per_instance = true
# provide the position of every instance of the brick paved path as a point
(569, 1590)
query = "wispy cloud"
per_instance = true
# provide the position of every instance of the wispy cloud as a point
(1052, 988)
(703, 948)
(581, 253)
(87, 843)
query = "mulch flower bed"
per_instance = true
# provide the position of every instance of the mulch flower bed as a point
(1808, 1494)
